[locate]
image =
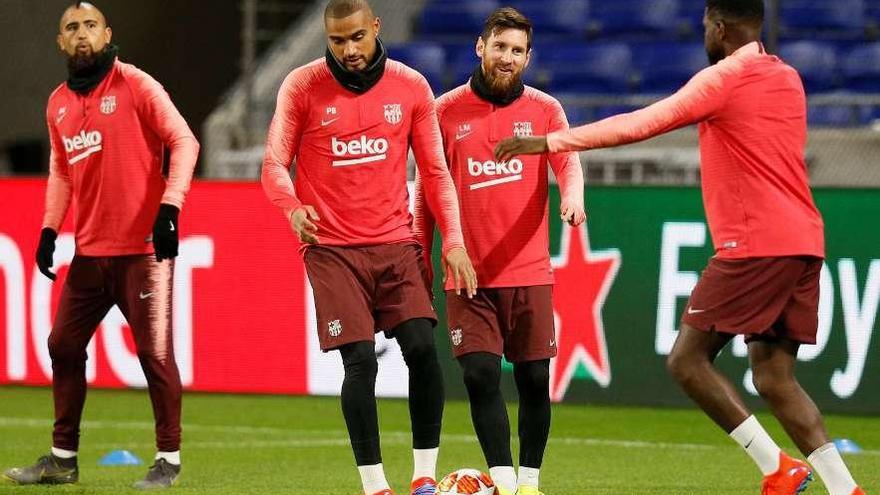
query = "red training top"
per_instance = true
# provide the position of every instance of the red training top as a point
(503, 205)
(351, 153)
(107, 155)
(753, 129)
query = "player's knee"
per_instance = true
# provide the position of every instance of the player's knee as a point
(359, 360)
(482, 374)
(533, 376)
(771, 385)
(64, 349)
(678, 365)
(420, 353)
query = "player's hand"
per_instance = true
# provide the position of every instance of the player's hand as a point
(165, 238)
(572, 212)
(302, 221)
(511, 147)
(458, 266)
(45, 250)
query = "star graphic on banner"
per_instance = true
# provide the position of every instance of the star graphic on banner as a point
(583, 280)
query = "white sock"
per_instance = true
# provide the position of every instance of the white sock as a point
(64, 454)
(752, 437)
(171, 457)
(425, 463)
(504, 476)
(528, 476)
(828, 463)
(373, 478)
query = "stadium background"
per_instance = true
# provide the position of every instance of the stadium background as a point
(243, 311)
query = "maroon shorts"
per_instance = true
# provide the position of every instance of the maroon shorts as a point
(762, 298)
(363, 290)
(514, 321)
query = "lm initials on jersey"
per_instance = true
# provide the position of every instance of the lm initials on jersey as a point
(358, 151)
(509, 171)
(87, 142)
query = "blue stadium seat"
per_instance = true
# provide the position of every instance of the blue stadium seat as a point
(838, 19)
(426, 57)
(861, 68)
(462, 61)
(633, 18)
(455, 17)
(666, 67)
(816, 62)
(837, 116)
(556, 17)
(588, 68)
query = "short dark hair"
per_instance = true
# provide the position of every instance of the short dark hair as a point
(339, 9)
(507, 18)
(745, 10)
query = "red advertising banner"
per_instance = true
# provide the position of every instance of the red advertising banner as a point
(240, 296)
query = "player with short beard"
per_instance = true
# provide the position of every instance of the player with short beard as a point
(763, 281)
(347, 121)
(504, 210)
(109, 126)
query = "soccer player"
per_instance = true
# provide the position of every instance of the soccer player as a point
(109, 126)
(348, 121)
(763, 281)
(504, 219)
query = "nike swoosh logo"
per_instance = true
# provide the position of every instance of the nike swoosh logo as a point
(328, 122)
(459, 137)
(692, 311)
(144, 296)
(172, 225)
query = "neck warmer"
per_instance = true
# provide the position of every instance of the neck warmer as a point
(359, 82)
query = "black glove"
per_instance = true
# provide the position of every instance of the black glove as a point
(45, 251)
(165, 232)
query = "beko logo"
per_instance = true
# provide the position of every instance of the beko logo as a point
(358, 151)
(509, 171)
(87, 142)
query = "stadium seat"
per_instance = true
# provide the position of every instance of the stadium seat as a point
(837, 116)
(861, 68)
(462, 61)
(666, 67)
(837, 19)
(691, 18)
(447, 18)
(426, 57)
(634, 18)
(816, 62)
(588, 68)
(556, 17)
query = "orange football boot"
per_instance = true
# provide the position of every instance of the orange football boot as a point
(791, 478)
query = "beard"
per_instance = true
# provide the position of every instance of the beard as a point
(715, 54)
(84, 62)
(501, 86)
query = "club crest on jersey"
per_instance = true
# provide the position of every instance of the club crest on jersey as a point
(455, 336)
(334, 328)
(522, 129)
(108, 105)
(393, 113)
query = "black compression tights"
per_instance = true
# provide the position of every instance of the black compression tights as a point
(482, 378)
(416, 339)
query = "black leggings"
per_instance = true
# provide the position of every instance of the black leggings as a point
(426, 396)
(482, 378)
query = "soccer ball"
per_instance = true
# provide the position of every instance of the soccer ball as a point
(466, 482)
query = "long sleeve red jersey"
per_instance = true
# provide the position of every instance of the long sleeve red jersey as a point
(504, 205)
(350, 151)
(107, 152)
(751, 110)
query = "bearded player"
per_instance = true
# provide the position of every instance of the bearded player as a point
(348, 120)
(763, 281)
(504, 207)
(109, 126)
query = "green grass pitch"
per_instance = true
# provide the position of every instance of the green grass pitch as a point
(298, 445)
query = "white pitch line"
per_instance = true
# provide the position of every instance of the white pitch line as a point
(333, 437)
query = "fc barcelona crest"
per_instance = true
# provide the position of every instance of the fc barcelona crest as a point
(522, 129)
(108, 105)
(393, 113)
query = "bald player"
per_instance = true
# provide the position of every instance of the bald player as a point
(109, 126)
(763, 281)
(346, 122)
